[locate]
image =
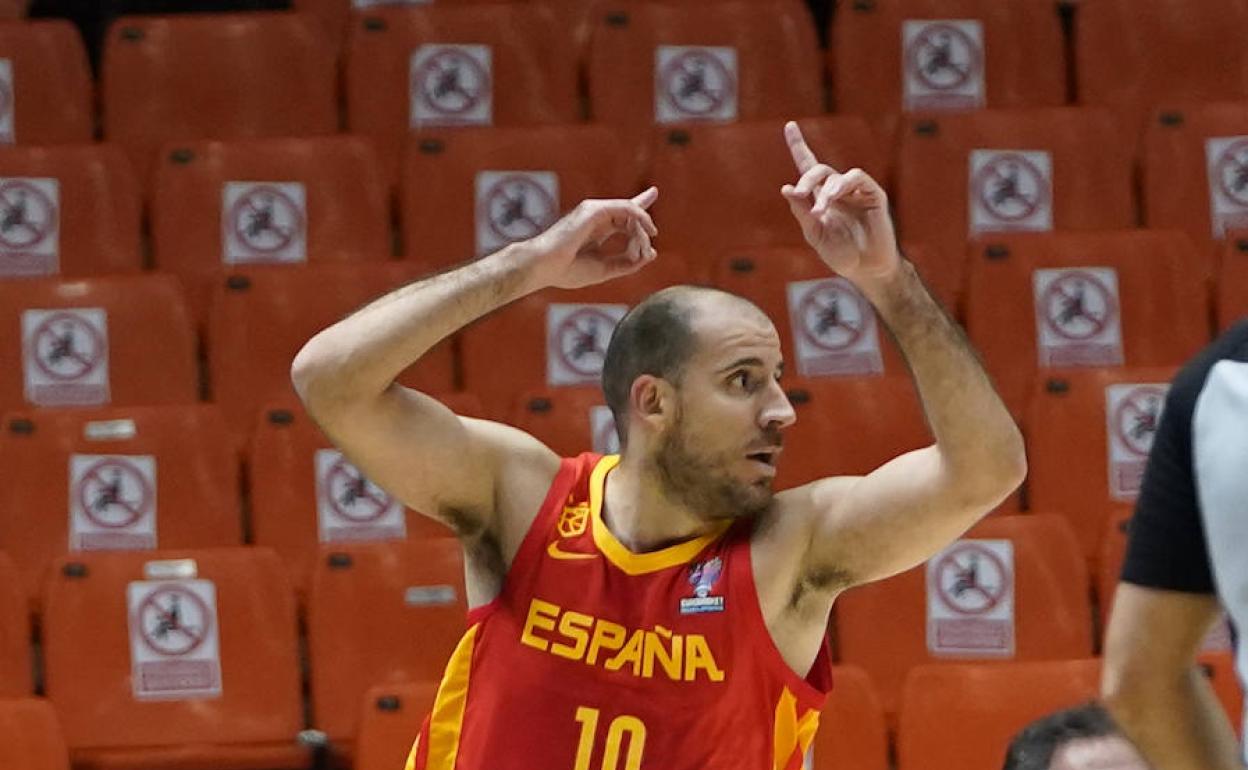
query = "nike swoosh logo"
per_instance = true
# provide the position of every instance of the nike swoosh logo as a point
(555, 553)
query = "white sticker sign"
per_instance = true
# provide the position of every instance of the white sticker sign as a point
(576, 341)
(451, 85)
(695, 83)
(65, 356)
(174, 648)
(513, 206)
(30, 223)
(350, 507)
(7, 103)
(970, 599)
(112, 502)
(943, 62)
(264, 222)
(1078, 321)
(1226, 159)
(602, 426)
(834, 329)
(1133, 412)
(1010, 191)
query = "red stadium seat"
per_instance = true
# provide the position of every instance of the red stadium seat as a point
(1072, 431)
(295, 477)
(462, 196)
(1109, 560)
(119, 478)
(893, 625)
(519, 72)
(692, 62)
(118, 340)
(1131, 55)
(1158, 315)
(323, 200)
(1231, 295)
(963, 717)
(47, 92)
(380, 613)
(745, 165)
(389, 721)
(852, 732)
(72, 210)
(15, 662)
(30, 736)
(261, 317)
(568, 420)
(216, 76)
(134, 693)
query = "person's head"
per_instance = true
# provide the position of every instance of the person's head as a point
(691, 376)
(1080, 738)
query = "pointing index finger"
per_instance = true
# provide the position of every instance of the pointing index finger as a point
(803, 158)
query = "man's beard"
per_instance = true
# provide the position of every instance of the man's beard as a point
(703, 485)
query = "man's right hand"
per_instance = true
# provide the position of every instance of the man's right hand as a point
(595, 242)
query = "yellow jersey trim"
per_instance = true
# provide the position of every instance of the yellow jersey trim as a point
(447, 718)
(615, 551)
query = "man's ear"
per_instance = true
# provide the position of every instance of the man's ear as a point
(652, 400)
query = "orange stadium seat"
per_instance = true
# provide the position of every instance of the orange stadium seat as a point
(30, 736)
(215, 76)
(294, 478)
(1131, 55)
(15, 663)
(1010, 170)
(114, 340)
(884, 60)
(391, 717)
(1231, 295)
(552, 340)
(462, 196)
(1041, 302)
(495, 65)
(1109, 560)
(380, 613)
(893, 625)
(175, 660)
(14, 9)
(1075, 421)
(322, 199)
(45, 84)
(130, 478)
(963, 717)
(568, 420)
(745, 165)
(676, 63)
(261, 317)
(852, 732)
(72, 210)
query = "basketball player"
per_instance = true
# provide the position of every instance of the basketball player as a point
(1083, 737)
(664, 609)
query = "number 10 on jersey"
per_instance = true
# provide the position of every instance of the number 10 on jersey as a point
(622, 729)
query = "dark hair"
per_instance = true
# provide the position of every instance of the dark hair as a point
(1034, 746)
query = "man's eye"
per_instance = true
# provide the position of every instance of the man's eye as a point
(742, 379)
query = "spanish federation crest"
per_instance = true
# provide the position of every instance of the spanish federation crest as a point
(703, 576)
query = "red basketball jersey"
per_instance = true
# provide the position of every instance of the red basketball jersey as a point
(596, 658)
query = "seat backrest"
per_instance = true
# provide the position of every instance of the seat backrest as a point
(690, 62)
(389, 720)
(890, 56)
(890, 626)
(1088, 436)
(97, 341)
(122, 676)
(940, 702)
(466, 193)
(216, 76)
(1133, 54)
(1231, 294)
(746, 164)
(260, 318)
(1012, 170)
(380, 613)
(499, 65)
(569, 420)
(1037, 303)
(31, 736)
(305, 494)
(1113, 552)
(15, 663)
(71, 210)
(852, 732)
(120, 478)
(45, 84)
